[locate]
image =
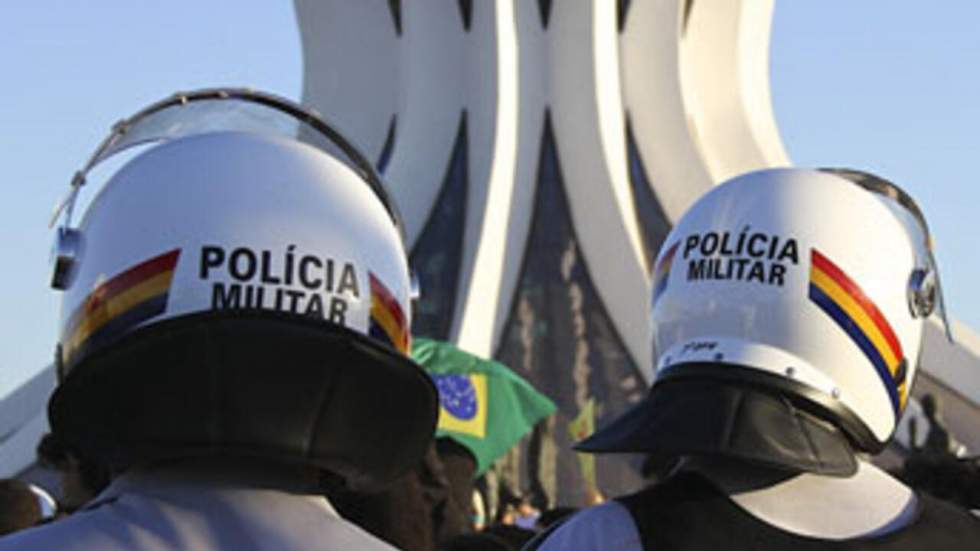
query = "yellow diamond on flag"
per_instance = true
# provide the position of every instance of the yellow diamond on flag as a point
(463, 403)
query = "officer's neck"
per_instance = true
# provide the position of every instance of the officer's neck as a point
(867, 503)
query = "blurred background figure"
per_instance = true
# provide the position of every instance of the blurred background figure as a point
(418, 512)
(554, 516)
(477, 542)
(938, 438)
(81, 479)
(514, 536)
(479, 510)
(22, 506)
(459, 467)
(48, 505)
(506, 515)
(947, 477)
(937, 463)
(526, 515)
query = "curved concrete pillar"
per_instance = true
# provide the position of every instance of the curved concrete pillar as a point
(691, 78)
(590, 126)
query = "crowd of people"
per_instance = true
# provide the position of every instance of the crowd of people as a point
(439, 504)
(941, 466)
(429, 509)
(235, 366)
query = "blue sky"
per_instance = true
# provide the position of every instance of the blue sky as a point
(892, 88)
(853, 85)
(71, 69)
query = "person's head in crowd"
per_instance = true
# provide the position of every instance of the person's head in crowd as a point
(506, 514)
(20, 507)
(944, 476)
(81, 478)
(551, 516)
(513, 535)
(459, 469)
(525, 514)
(477, 542)
(398, 515)
(930, 406)
(416, 512)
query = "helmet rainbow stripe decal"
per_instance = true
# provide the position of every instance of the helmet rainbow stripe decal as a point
(840, 298)
(128, 298)
(388, 323)
(662, 272)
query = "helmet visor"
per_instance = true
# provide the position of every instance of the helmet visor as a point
(217, 110)
(909, 213)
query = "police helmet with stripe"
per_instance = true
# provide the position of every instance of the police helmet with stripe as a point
(239, 286)
(788, 308)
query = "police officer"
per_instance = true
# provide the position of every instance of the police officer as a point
(788, 311)
(234, 325)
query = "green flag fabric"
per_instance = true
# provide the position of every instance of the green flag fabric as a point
(483, 405)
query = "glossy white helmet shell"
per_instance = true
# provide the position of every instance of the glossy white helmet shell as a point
(237, 291)
(802, 275)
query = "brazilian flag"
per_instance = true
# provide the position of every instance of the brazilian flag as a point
(483, 405)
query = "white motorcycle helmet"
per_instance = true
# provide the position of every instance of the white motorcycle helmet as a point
(788, 310)
(235, 290)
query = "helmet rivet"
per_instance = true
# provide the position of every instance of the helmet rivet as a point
(719, 356)
(667, 360)
(835, 393)
(790, 371)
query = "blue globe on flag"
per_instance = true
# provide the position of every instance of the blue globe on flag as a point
(457, 395)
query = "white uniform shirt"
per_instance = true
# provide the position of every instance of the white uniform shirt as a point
(608, 526)
(217, 507)
(870, 503)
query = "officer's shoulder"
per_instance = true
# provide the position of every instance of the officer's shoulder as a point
(76, 532)
(608, 526)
